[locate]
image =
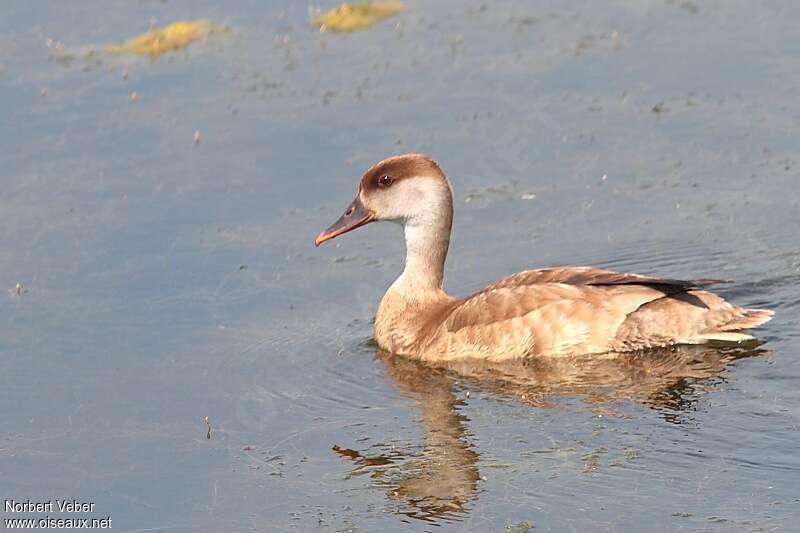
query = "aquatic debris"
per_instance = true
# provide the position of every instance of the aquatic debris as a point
(19, 289)
(659, 108)
(158, 41)
(591, 460)
(352, 17)
(208, 423)
(58, 51)
(377, 460)
(631, 454)
(522, 527)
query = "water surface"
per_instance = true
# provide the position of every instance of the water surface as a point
(164, 281)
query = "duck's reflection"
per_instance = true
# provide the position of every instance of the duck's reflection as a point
(440, 482)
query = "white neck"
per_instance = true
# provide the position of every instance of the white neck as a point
(427, 241)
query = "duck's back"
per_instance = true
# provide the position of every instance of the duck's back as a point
(580, 310)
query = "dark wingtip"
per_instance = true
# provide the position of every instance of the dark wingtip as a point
(666, 285)
(705, 282)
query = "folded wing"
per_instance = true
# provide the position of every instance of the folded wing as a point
(572, 310)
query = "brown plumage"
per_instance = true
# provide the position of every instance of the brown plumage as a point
(548, 312)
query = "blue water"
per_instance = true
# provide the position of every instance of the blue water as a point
(164, 281)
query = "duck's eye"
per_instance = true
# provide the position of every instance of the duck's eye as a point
(385, 181)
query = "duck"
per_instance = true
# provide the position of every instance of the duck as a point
(565, 311)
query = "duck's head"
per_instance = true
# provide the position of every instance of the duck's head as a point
(410, 189)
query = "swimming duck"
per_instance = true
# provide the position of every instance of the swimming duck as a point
(562, 311)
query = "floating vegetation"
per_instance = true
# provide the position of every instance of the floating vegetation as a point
(352, 17)
(158, 41)
(591, 460)
(522, 527)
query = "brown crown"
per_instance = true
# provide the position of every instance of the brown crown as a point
(400, 167)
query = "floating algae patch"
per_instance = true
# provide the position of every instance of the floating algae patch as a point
(177, 35)
(352, 17)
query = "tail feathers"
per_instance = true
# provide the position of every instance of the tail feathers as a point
(723, 337)
(731, 332)
(750, 318)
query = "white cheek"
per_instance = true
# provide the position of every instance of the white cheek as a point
(426, 201)
(413, 202)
